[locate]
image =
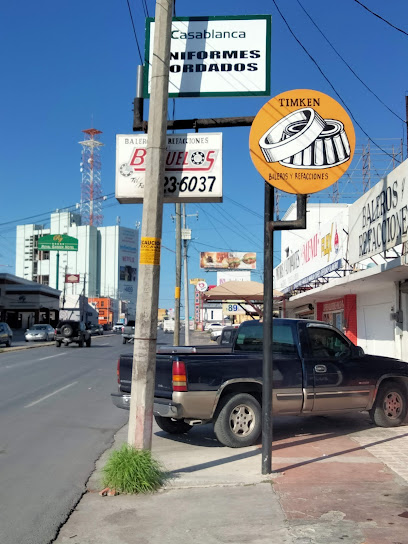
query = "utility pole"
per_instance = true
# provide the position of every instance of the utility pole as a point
(186, 309)
(144, 355)
(176, 339)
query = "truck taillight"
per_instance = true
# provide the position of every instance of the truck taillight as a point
(117, 371)
(179, 376)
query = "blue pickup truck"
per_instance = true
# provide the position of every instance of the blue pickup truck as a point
(316, 370)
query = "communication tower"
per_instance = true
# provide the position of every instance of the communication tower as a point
(91, 187)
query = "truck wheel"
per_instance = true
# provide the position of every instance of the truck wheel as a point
(390, 408)
(172, 426)
(238, 422)
(58, 343)
(123, 340)
(88, 343)
(81, 344)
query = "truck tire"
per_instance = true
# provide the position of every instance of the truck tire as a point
(67, 330)
(88, 342)
(58, 343)
(238, 420)
(390, 408)
(123, 340)
(172, 426)
(80, 343)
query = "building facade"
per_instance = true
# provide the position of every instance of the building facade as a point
(106, 261)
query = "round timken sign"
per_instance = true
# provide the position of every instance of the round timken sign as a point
(302, 141)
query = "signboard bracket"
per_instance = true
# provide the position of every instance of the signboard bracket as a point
(183, 124)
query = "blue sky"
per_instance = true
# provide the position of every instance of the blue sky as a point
(67, 67)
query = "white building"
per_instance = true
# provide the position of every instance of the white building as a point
(106, 260)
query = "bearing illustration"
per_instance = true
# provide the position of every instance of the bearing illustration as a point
(303, 139)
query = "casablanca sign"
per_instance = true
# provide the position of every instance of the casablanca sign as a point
(58, 242)
(215, 56)
(302, 141)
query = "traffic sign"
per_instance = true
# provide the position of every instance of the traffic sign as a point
(302, 141)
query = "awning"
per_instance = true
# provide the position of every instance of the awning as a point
(248, 292)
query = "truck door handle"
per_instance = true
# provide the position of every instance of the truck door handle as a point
(320, 368)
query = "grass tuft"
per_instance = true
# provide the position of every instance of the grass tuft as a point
(129, 470)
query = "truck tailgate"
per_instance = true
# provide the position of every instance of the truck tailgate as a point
(164, 376)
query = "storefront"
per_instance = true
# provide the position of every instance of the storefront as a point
(341, 313)
(24, 302)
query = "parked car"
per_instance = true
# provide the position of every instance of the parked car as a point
(316, 371)
(6, 334)
(118, 327)
(39, 333)
(68, 332)
(96, 330)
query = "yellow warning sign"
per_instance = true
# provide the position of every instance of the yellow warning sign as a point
(302, 141)
(150, 251)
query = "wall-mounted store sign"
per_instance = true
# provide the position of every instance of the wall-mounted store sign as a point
(314, 258)
(379, 219)
(193, 168)
(215, 56)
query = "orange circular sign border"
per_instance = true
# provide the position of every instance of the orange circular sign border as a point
(293, 179)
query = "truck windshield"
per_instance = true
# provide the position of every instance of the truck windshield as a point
(250, 338)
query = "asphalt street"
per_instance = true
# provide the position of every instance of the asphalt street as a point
(56, 419)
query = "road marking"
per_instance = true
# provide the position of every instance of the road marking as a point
(50, 395)
(104, 344)
(49, 357)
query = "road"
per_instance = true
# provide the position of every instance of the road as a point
(56, 419)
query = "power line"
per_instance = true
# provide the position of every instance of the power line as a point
(327, 79)
(348, 66)
(382, 18)
(134, 32)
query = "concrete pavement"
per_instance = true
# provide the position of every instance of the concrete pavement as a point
(332, 483)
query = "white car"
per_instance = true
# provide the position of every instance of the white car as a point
(117, 327)
(39, 332)
(213, 327)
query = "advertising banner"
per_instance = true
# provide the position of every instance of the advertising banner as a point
(215, 56)
(230, 260)
(193, 168)
(379, 219)
(128, 263)
(321, 254)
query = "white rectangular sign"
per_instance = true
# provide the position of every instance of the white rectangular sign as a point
(321, 254)
(379, 219)
(193, 167)
(215, 56)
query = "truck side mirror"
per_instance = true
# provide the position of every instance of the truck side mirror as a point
(357, 351)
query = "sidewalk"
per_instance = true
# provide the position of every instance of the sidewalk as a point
(332, 483)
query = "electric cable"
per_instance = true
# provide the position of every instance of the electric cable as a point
(134, 32)
(348, 66)
(381, 18)
(327, 79)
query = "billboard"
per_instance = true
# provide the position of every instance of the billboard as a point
(379, 219)
(230, 260)
(193, 168)
(215, 56)
(320, 254)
